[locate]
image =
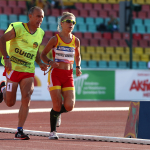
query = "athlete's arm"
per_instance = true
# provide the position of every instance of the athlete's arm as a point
(6, 37)
(39, 62)
(52, 42)
(77, 53)
(78, 57)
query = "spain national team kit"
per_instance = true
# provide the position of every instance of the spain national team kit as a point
(59, 78)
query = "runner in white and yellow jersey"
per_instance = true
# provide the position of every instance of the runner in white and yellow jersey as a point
(19, 46)
(65, 47)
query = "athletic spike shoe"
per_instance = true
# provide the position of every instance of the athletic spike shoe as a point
(2, 84)
(21, 136)
(53, 136)
(58, 121)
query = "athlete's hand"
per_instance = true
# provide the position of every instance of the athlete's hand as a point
(7, 64)
(78, 72)
(54, 64)
(43, 66)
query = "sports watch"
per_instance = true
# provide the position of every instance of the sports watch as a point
(78, 67)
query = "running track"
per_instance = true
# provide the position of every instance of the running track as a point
(101, 123)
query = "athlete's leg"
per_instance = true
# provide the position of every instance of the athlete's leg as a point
(26, 87)
(55, 112)
(69, 99)
(9, 93)
(56, 99)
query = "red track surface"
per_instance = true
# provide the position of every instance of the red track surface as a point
(101, 123)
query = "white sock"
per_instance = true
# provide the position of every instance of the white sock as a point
(3, 88)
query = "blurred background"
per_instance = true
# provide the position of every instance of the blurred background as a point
(97, 27)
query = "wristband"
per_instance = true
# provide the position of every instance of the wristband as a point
(49, 61)
(6, 57)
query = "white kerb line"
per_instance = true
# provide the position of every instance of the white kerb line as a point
(82, 137)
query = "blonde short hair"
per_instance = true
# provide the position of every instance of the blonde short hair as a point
(64, 15)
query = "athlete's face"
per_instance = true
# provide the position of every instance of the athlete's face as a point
(37, 17)
(68, 25)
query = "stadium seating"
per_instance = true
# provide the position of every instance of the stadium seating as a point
(145, 57)
(88, 6)
(22, 4)
(83, 13)
(89, 20)
(134, 65)
(95, 57)
(119, 50)
(52, 27)
(79, 34)
(86, 56)
(3, 25)
(80, 20)
(99, 20)
(97, 35)
(84, 64)
(23, 18)
(136, 57)
(94, 42)
(3, 3)
(12, 3)
(115, 57)
(3, 18)
(84, 42)
(105, 57)
(51, 20)
(147, 50)
(92, 64)
(122, 64)
(79, 6)
(93, 13)
(142, 65)
(90, 49)
(89, 15)
(102, 64)
(112, 64)
(104, 42)
(99, 50)
(125, 57)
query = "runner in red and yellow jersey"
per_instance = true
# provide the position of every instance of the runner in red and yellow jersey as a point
(65, 47)
(19, 46)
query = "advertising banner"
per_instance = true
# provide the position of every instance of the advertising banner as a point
(132, 85)
(95, 85)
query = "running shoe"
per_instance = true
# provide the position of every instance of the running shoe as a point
(2, 84)
(53, 136)
(21, 136)
(58, 121)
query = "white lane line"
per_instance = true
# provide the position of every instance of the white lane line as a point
(13, 111)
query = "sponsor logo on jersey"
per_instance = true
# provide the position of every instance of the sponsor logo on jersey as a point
(35, 45)
(65, 48)
(19, 61)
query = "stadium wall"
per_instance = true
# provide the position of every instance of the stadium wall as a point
(99, 84)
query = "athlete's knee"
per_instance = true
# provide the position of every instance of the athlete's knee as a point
(10, 103)
(26, 96)
(69, 106)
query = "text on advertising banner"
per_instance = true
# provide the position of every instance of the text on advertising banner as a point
(95, 85)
